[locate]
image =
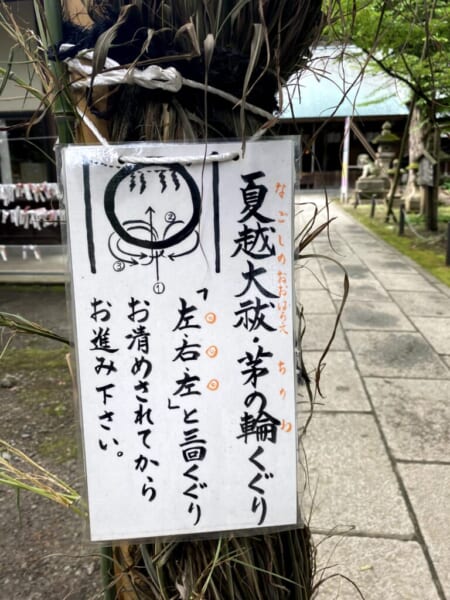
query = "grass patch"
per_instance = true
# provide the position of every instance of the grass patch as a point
(429, 253)
(33, 287)
(60, 449)
(43, 391)
(49, 362)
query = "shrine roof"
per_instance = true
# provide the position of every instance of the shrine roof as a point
(334, 86)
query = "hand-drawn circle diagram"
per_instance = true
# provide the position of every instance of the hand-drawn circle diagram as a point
(153, 211)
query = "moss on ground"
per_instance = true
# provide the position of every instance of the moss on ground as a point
(53, 361)
(43, 387)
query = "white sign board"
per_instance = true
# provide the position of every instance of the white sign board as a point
(183, 310)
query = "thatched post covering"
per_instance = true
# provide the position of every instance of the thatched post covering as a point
(75, 12)
(232, 58)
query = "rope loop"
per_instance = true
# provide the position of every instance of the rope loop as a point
(179, 160)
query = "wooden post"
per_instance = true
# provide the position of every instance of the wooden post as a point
(432, 214)
(401, 221)
(373, 205)
(447, 256)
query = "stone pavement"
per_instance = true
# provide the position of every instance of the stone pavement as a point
(377, 451)
(32, 264)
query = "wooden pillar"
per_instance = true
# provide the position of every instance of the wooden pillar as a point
(345, 161)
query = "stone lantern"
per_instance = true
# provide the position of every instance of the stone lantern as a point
(374, 181)
(385, 142)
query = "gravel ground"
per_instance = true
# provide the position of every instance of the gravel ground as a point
(44, 552)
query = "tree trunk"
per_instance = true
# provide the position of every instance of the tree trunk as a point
(424, 139)
(431, 206)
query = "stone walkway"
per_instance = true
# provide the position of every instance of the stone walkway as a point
(377, 450)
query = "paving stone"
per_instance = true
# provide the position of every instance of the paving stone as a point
(374, 315)
(367, 236)
(304, 218)
(367, 245)
(446, 359)
(367, 290)
(347, 225)
(414, 415)
(412, 282)
(381, 252)
(348, 230)
(340, 382)
(309, 281)
(396, 265)
(308, 275)
(359, 273)
(423, 304)
(395, 354)
(316, 301)
(334, 274)
(343, 255)
(307, 265)
(387, 263)
(443, 288)
(354, 270)
(335, 282)
(336, 249)
(351, 478)
(436, 330)
(382, 569)
(428, 489)
(318, 332)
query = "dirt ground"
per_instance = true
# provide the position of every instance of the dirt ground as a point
(44, 553)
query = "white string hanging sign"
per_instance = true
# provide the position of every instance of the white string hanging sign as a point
(113, 155)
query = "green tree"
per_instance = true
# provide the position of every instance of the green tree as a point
(409, 40)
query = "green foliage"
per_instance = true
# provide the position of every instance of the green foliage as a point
(409, 39)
